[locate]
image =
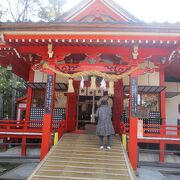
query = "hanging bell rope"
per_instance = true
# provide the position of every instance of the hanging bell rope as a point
(93, 83)
(110, 77)
(111, 88)
(70, 86)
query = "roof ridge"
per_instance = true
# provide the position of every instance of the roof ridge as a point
(116, 8)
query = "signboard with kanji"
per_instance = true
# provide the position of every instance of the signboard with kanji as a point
(134, 91)
(49, 86)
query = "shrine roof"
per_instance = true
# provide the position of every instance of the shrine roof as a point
(96, 9)
(93, 16)
(92, 23)
(90, 27)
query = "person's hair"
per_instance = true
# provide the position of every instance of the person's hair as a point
(105, 93)
(104, 102)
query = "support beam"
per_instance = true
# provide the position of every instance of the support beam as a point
(48, 115)
(23, 146)
(162, 96)
(133, 149)
(29, 95)
(161, 154)
(117, 105)
(121, 51)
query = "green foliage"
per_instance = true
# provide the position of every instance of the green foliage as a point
(52, 10)
(7, 79)
(6, 89)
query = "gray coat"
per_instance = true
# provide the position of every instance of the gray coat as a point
(104, 126)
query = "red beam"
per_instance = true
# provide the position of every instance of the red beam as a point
(91, 36)
(102, 67)
(158, 141)
(124, 52)
(17, 65)
(162, 96)
(20, 136)
(41, 50)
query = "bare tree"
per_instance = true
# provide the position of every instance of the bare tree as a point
(1, 12)
(22, 10)
(31, 10)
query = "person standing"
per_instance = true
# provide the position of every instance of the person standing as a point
(105, 97)
(104, 126)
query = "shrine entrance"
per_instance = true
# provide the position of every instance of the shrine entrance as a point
(86, 109)
(87, 106)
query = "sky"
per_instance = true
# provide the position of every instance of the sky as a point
(147, 10)
(144, 10)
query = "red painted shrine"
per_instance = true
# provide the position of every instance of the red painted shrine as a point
(97, 38)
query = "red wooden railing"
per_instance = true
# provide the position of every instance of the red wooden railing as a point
(24, 125)
(166, 131)
(13, 124)
(124, 128)
(154, 130)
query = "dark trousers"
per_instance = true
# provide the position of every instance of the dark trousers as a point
(109, 140)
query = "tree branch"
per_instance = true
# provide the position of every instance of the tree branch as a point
(11, 10)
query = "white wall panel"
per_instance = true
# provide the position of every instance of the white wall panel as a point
(172, 113)
(40, 76)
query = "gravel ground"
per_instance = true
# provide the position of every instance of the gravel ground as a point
(158, 173)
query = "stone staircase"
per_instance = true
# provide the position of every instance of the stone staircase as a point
(77, 157)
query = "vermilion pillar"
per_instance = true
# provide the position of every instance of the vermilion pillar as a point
(23, 146)
(29, 95)
(162, 96)
(48, 115)
(117, 104)
(162, 110)
(133, 150)
(161, 154)
(28, 111)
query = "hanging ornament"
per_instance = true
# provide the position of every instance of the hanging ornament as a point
(103, 84)
(70, 86)
(82, 83)
(111, 88)
(93, 83)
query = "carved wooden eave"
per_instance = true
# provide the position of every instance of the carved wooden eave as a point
(28, 43)
(86, 27)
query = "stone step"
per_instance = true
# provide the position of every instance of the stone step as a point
(104, 152)
(86, 164)
(81, 154)
(85, 169)
(77, 156)
(93, 160)
(75, 174)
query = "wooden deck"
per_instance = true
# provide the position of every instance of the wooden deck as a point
(77, 156)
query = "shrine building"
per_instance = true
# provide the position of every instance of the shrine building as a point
(96, 46)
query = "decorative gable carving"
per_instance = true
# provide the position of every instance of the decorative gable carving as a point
(97, 18)
(97, 11)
